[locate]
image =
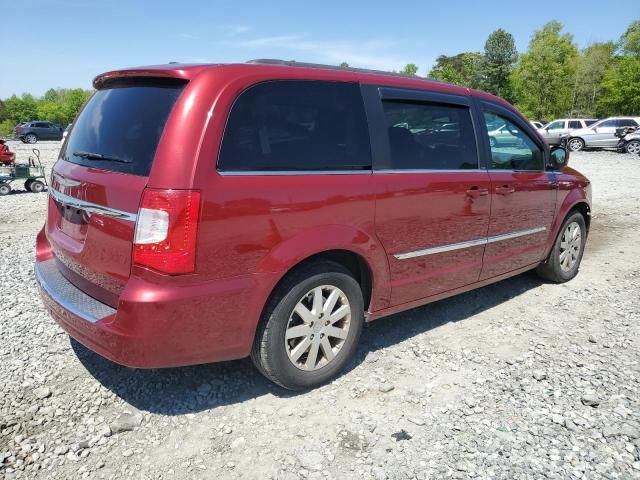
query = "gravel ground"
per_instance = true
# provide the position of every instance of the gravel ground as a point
(521, 379)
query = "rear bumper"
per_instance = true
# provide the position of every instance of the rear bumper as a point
(158, 326)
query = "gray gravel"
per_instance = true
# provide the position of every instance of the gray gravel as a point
(521, 379)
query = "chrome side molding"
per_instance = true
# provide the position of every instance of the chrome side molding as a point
(471, 243)
(89, 207)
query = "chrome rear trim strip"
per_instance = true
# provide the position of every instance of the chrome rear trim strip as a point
(471, 243)
(89, 207)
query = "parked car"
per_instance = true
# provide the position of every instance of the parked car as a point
(303, 208)
(601, 134)
(7, 157)
(554, 131)
(630, 143)
(31, 132)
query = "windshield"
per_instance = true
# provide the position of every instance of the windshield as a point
(122, 122)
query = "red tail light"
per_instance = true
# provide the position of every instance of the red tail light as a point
(166, 230)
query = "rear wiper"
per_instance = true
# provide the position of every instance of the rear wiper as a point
(99, 156)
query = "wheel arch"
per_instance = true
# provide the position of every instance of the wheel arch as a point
(354, 249)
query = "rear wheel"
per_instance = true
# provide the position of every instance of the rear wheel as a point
(633, 147)
(310, 327)
(575, 144)
(30, 138)
(36, 186)
(5, 189)
(564, 260)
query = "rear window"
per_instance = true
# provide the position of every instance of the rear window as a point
(590, 122)
(122, 122)
(292, 125)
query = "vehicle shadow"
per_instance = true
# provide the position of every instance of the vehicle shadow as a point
(176, 391)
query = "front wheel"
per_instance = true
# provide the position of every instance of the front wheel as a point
(565, 257)
(31, 138)
(575, 144)
(633, 147)
(310, 327)
(5, 189)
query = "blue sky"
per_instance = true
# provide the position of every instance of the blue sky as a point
(65, 43)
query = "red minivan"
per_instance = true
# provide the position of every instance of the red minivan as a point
(200, 213)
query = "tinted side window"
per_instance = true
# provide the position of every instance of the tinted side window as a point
(511, 148)
(608, 123)
(430, 136)
(297, 125)
(590, 122)
(627, 122)
(575, 124)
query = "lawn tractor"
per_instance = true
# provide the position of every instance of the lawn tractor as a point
(31, 173)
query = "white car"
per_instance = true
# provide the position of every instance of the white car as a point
(601, 134)
(554, 131)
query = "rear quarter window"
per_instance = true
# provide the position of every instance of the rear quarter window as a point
(294, 125)
(123, 121)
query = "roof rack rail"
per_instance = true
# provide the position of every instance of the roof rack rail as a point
(293, 63)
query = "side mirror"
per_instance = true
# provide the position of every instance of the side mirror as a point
(558, 158)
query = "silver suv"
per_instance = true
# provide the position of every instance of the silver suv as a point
(554, 131)
(601, 134)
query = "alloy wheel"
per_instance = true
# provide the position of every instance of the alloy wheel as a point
(570, 246)
(575, 144)
(31, 138)
(633, 147)
(318, 327)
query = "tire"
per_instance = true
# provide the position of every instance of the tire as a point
(633, 147)
(492, 142)
(5, 189)
(561, 267)
(30, 138)
(36, 186)
(290, 362)
(575, 144)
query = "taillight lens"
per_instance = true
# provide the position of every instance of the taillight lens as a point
(166, 229)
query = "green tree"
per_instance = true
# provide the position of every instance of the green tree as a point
(621, 88)
(464, 69)
(344, 65)
(21, 109)
(630, 41)
(500, 56)
(592, 65)
(409, 69)
(3, 112)
(544, 79)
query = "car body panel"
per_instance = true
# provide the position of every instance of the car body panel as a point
(422, 211)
